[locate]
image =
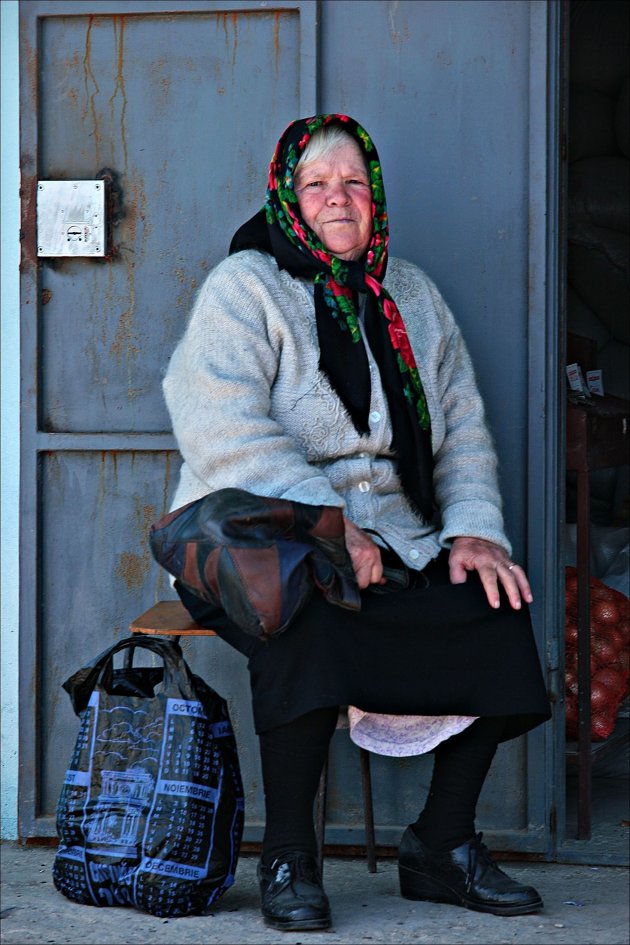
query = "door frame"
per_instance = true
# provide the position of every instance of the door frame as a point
(547, 411)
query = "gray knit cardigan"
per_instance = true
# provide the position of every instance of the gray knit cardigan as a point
(250, 408)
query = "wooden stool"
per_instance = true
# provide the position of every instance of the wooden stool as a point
(169, 618)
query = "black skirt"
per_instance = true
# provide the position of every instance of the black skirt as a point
(434, 648)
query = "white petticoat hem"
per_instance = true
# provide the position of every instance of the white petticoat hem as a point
(403, 735)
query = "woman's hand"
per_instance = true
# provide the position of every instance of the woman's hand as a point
(493, 565)
(365, 555)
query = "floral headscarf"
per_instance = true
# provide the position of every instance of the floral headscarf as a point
(281, 230)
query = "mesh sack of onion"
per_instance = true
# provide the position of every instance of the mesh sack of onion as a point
(610, 660)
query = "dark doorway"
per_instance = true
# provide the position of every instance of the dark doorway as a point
(597, 477)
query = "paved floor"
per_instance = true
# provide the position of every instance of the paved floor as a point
(584, 905)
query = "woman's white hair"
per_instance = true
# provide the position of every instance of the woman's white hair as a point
(323, 142)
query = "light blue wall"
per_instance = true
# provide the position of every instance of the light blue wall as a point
(10, 400)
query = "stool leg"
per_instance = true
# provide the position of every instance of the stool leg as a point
(320, 815)
(368, 809)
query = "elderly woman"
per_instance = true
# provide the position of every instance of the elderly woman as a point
(314, 369)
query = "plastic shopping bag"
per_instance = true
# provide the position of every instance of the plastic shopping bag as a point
(151, 811)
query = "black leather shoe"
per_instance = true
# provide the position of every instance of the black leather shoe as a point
(292, 896)
(466, 876)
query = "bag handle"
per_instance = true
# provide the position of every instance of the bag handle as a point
(81, 684)
(131, 644)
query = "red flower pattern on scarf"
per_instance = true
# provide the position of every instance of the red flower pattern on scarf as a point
(398, 333)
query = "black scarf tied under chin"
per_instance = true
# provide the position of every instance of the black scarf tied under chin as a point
(280, 230)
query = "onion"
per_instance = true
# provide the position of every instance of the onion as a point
(603, 650)
(570, 710)
(604, 612)
(601, 727)
(622, 663)
(571, 684)
(610, 678)
(600, 697)
(615, 638)
(571, 633)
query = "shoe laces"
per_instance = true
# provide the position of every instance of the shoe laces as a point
(296, 867)
(478, 853)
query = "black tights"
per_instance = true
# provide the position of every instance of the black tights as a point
(292, 758)
(459, 771)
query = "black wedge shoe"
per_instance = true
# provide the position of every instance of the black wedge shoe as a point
(466, 876)
(292, 896)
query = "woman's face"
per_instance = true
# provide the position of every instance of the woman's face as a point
(335, 200)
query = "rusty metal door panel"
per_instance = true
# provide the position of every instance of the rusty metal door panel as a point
(447, 94)
(97, 570)
(177, 110)
(153, 99)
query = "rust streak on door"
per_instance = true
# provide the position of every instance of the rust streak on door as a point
(119, 40)
(90, 96)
